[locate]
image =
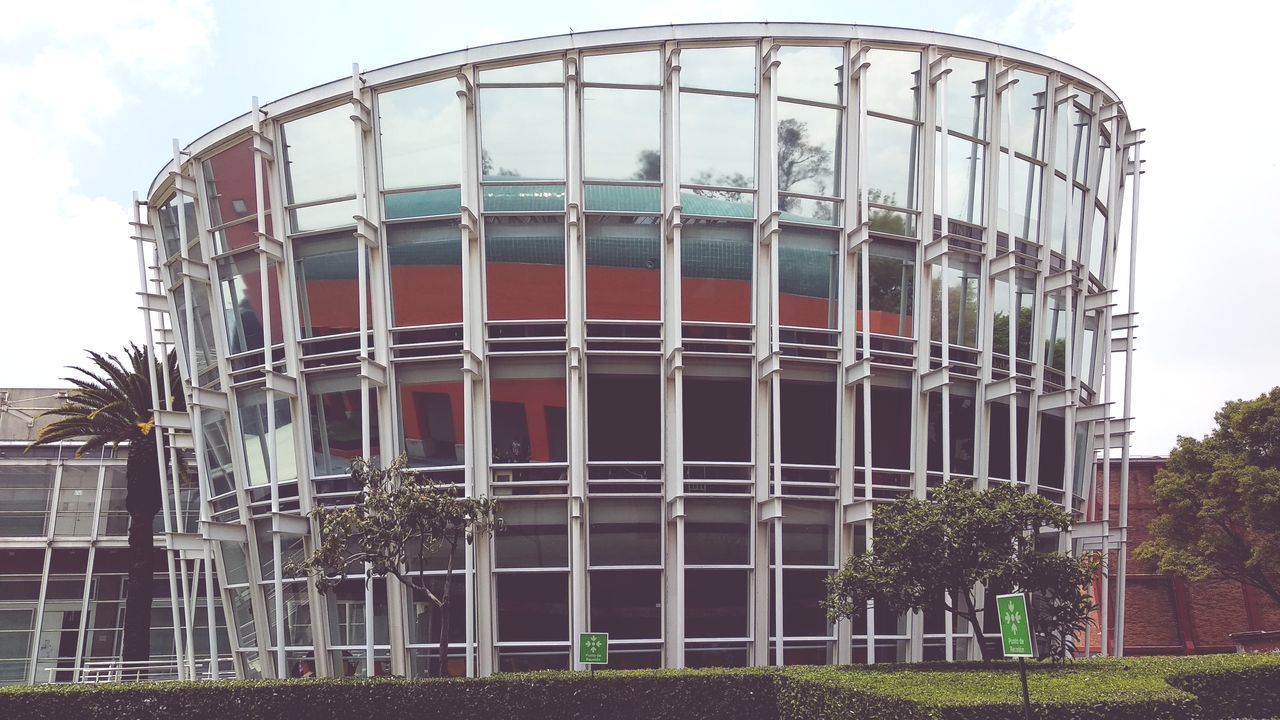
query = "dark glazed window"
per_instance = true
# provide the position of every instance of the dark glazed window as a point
(534, 534)
(961, 431)
(717, 532)
(808, 420)
(527, 410)
(716, 603)
(627, 604)
(533, 607)
(625, 531)
(431, 414)
(624, 263)
(624, 410)
(890, 427)
(1053, 448)
(717, 413)
(426, 273)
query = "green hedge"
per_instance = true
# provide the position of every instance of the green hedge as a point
(1142, 689)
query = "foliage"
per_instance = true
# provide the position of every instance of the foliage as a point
(649, 164)
(1218, 499)
(931, 553)
(400, 518)
(1143, 689)
(111, 405)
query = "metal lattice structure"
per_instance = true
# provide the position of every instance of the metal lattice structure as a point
(688, 300)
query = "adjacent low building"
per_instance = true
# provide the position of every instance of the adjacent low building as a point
(689, 300)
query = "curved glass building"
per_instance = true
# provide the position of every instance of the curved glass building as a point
(688, 300)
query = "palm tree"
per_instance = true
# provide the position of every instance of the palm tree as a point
(111, 405)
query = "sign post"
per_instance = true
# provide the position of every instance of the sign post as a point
(593, 649)
(1015, 637)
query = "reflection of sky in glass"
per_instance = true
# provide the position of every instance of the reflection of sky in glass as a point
(810, 73)
(717, 140)
(966, 96)
(522, 132)
(322, 156)
(1026, 193)
(618, 126)
(719, 69)
(821, 127)
(964, 180)
(421, 135)
(890, 161)
(638, 68)
(891, 82)
(543, 72)
(1027, 109)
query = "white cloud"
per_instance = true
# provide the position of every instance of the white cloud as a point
(67, 266)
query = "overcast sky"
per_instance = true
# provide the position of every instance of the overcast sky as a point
(95, 91)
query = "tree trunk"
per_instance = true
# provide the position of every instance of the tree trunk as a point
(140, 590)
(443, 652)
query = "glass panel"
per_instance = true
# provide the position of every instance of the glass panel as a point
(421, 135)
(717, 532)
(715, 271)
(808, 137)
(961, 431)
(201, 345)
(1057, 327)
(625, 198)
(524, 268)
(168, 216)
(534, 534)
(716, 603)
(891, 290)
(422, 203)
(229, 187)
(77, 495)
(320, 156)
(532, 606)
(1026, 198)
(807, 414)
(891, 162)
(547, 71)
(1027, 107)
(625, 531)
(624, 261)
(347, 621)
(1098, 244)
(328, 287)
(967, 97)
(336, 426)
(893, 82)
(717, 140)
(253, 427)
(527, 410)
(624, 409)
(621, 134)
(807, 210)
(810, 73)
(802, 613)
(808, 533)
(717, 412)
(1058, 225)
(425, 262)
(1053, 448)
(113, 518)
(1025, 300)
(808, 278)
(297, 613)
(522, 133)
(891, 419)
(431, 414)
(627, 604)
(242, 302)
(719, 68)
(425, 616)
(217, 451)
(523, 198)
(717, 203)
(635, 68)
(961, 286)
(965, 176)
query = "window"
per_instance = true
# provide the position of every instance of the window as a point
(524, 267)
(320, 168)
(425, 260)
(624, 409)
(808, 278)
(431, 414)
(717, 412)
(527, 410)
(337, 436)
(328, 284)
(624, 264)
(716, 260)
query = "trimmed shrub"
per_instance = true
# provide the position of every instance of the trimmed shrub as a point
(1235, 686)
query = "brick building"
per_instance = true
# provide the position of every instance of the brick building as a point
(1166, 614)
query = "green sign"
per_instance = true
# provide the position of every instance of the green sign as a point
(1015, 625)
(593, 648)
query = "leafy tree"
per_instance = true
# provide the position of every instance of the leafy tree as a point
(886, 221)
(1218, 500)
(111, 405)
(931, 553)
(798, 159)
(400, 518)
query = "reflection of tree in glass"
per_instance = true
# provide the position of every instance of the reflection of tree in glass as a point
(487, 171)
(886, 221)
(799, 160)
(1000, 334)
(962, 310)
(892, 285)
(650, 166)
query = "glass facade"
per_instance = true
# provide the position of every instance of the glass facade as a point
(686, 308)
